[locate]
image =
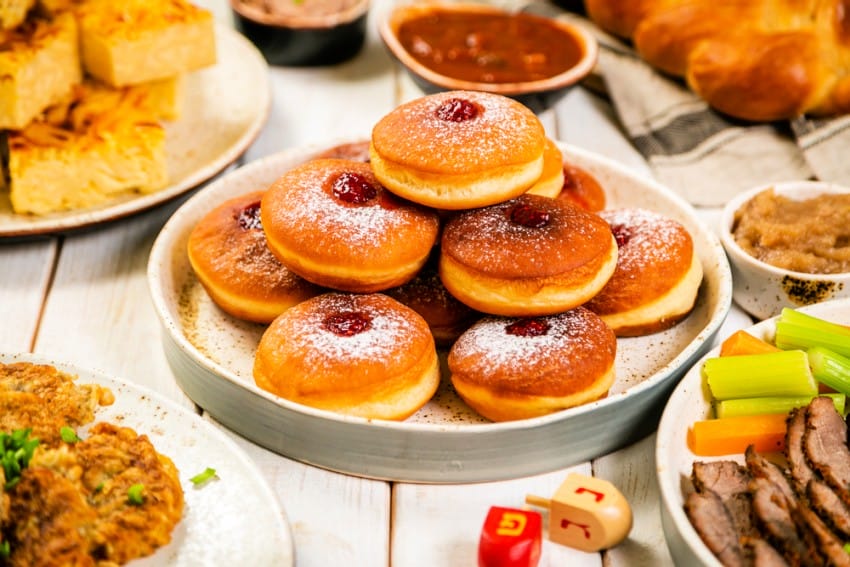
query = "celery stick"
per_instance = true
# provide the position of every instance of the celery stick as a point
(783, 373)
(831, 368)
(757, 406)
(805, 320)
(790, 335)
(798, 330)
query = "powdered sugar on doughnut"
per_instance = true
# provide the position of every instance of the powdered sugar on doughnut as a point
(502, 130)
(645, 237)
(386, 339)
(490, 344)
(305, 201)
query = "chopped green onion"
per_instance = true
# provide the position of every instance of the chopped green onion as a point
(203, 477)
(98, 488)
(774, 374)
(134, 494)
(68, 435)
(797, 330)
(5, 551)
(17, 450)
(830, 368)
(765, 405)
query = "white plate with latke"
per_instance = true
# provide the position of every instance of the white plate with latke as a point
(224, 108)
(233, 519)
(212, 357)
(674, 460)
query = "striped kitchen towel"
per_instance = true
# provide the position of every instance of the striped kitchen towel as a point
(705, 156)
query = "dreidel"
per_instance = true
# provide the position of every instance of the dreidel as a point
(586, 513)
(510, 538)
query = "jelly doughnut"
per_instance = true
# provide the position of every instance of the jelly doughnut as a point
(658, 273)
(528, 256)
(228, 253)
(331, 222)
(446, 316)
(358, 354)
(517, 368)
(551, 181)
(581, 189)
(458, 149)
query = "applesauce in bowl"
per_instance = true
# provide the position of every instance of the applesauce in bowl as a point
(788, 245)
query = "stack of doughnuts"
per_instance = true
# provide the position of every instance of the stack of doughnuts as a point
(463, 228)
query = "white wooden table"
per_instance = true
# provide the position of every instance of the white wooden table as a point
(84, 298)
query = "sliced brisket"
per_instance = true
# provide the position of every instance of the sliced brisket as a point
(765, 555)
(730, 482)
(798, 465)
(773, 514)
(825, 444)
(716, 527)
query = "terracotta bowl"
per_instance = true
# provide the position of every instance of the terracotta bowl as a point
(303, 32)
(538, 94)
(763, 289)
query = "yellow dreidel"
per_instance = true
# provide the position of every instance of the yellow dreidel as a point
(586, 513)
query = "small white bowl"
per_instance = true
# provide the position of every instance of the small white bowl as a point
(762, 289)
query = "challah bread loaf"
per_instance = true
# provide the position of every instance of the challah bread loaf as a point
(757, 60)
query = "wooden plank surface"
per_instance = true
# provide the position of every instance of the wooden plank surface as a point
(97, 312)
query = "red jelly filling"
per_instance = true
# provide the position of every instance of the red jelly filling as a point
(528, 215)
(348, 324)
(353, 188)
(249, 217)
(528, 328)
(457, 110)
(621, 234)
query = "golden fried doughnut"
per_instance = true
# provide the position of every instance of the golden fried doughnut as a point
(581, 189)
(552, 179)
(528, 256)
(331, 222)
(446, 316)
(458, 149)
(363, 355)
(228, 252)
(658, 274)
(509, 368)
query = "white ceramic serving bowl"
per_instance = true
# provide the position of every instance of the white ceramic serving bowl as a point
(212, 358)
(674, 460)
(762, 289)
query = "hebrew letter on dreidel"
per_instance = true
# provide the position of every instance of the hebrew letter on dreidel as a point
(586, 513)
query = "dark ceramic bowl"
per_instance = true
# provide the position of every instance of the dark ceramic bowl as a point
(538, 94)
(302, 32)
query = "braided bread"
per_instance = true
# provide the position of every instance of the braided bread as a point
(758, 60)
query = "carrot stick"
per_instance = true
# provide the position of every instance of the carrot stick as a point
(742, 342)
(714, 437)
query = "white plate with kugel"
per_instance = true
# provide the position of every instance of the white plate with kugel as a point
(224, 108)
(212, 357)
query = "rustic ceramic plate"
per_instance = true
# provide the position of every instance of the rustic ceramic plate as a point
(690, 402)
(214, 529)
(212, 356)
(224, 109)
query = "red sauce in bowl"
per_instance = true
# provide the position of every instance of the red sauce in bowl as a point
(490, 48)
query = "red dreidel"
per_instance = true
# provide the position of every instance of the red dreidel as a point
(510, 538)
(586, 513)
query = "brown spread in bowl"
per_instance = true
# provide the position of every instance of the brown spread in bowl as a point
(810, 236)
(490, 47)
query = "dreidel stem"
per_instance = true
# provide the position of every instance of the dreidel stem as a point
(539, 501)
